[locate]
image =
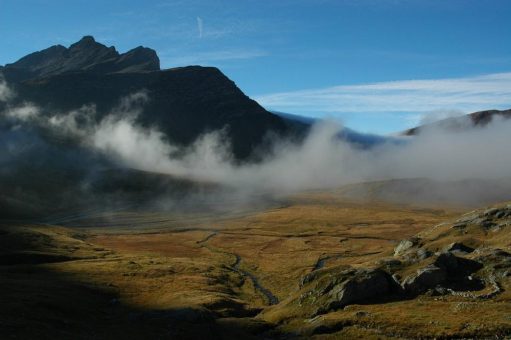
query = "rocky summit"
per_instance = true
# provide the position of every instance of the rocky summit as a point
(86, 55)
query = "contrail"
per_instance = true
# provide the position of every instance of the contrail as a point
(199, 26)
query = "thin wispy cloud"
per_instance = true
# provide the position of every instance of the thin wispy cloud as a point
(429, 95)
(199, 26)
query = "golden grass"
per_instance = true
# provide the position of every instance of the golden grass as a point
(178, 264)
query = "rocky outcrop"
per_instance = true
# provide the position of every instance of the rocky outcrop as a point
(425, 278)
(405, 246)
(447, 271)
(456, 266)
(493, 219)
(339, 287)
(497, 259)
(458, 247)
(440, 261)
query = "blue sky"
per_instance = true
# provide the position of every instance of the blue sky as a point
(378, 65)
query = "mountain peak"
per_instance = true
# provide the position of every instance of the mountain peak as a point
(87, 43)
(87, 38)
(86, 55)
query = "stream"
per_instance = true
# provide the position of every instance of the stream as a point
(236, 267)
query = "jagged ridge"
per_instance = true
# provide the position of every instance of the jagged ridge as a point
(86, 55)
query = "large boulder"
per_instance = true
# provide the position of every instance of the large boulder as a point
(424, 279)
(335, 290)
(448, 271)
(457, 266)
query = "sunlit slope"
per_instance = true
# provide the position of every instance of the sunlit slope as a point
(431, 284)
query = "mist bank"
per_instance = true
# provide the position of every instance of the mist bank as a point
(88, 158)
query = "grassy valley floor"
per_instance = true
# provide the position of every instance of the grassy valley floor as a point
(156, 275)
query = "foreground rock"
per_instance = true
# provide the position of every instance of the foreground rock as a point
(492, 219)
(425, 278)
(446, 272)
(338, 287)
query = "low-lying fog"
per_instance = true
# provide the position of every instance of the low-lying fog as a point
(321, 161)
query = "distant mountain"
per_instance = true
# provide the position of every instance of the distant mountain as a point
(184, 102)
(365, 140)
(476, 119)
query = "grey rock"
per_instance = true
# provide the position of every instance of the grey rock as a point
(425, 279)
(456, 266)
(405, 245)
(447, 270)
(458, 247)
(487, 224)
(363, 285)
(501, 214)
(336, 289)
(460, 225)
(498, 212)
(468, 217)
(423, 254)
(490, 212)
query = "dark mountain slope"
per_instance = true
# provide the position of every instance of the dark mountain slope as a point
(183, 102)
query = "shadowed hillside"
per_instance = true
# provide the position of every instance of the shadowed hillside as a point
(183, 102)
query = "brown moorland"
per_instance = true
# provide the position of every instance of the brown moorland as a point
(261, 274)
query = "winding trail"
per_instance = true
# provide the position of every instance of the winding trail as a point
(236, 267)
